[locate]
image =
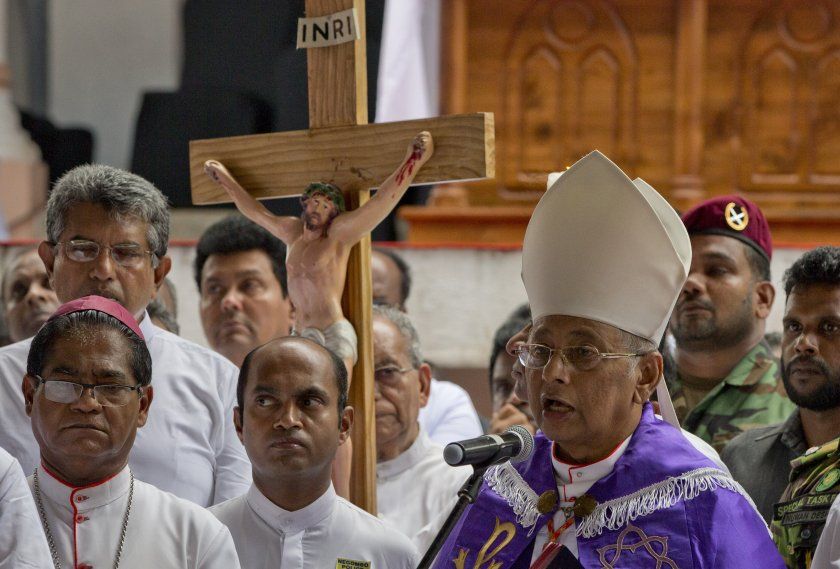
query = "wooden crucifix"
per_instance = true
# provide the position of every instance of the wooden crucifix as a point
(341, 148)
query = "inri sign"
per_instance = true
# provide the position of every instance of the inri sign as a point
(327, 30)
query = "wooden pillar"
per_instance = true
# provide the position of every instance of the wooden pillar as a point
(688, 184)
(453, 92)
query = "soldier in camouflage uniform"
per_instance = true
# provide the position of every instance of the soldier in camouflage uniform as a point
(800, 515)
(727, 380)
(751, 396)
(811, 374)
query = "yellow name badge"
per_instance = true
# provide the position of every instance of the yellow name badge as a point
(351, 564)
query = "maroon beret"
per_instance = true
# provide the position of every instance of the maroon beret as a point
(732, 216)
(100, 304)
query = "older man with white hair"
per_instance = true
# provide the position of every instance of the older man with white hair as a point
(609, 484)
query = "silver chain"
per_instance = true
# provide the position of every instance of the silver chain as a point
(51, 541)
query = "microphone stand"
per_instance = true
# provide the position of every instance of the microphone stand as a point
(466, 496)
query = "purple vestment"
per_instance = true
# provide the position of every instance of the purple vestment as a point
(664, 506)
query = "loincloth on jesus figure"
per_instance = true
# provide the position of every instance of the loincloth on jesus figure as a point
(339, 337)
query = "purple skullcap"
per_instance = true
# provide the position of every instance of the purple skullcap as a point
(732, 216)
(100, 304)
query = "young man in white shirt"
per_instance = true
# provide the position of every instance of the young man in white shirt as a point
(87, 391)
(292, 417)
(107, 234)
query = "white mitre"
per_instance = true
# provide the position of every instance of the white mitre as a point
(604, 247)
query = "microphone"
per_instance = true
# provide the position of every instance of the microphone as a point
(515, 444)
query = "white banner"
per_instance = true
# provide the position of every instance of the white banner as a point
(409, 61)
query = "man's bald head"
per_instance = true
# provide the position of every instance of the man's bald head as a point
(294, 349)
(292, 418)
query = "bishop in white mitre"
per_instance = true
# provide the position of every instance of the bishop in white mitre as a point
(609, 483)
(87, 390)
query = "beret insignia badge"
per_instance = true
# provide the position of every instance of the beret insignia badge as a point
(736, 216)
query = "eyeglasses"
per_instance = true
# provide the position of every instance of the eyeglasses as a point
(582, 358)
(390, 374)
(126, 255)
(108, 395)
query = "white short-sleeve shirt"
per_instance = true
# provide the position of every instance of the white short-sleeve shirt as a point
(827, 554)
(22, 541)
(449, 415)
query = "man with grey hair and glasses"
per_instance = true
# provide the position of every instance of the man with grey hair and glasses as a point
(414, 485)
(107, 234)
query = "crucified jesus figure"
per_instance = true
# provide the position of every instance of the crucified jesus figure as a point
(319, 241)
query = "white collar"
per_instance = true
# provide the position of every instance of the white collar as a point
(83, 498)
(408, 459)
(577, 473)
(147, 327)
(291, 522)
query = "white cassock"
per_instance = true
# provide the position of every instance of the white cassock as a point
(416, 488)
(163, 531)
(22, 541)
(572, 482)
(328, 533)
(449, 415)
(188, 446)
(827, 554)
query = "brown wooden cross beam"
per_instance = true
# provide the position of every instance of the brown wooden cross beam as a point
(340, 147)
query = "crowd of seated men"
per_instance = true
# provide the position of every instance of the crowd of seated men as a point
(124, 444)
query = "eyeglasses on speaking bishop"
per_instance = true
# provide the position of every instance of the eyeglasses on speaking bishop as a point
(581, 358)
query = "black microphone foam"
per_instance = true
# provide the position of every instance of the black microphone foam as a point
(515, 444)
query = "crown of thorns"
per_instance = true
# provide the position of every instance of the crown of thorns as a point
(330, 191)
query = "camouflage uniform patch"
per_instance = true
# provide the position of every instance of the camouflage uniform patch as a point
(799, 517)
(751, 396)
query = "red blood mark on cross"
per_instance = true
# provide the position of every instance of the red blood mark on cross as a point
(407, 168)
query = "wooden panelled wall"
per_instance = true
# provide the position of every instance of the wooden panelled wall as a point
(698, 97)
